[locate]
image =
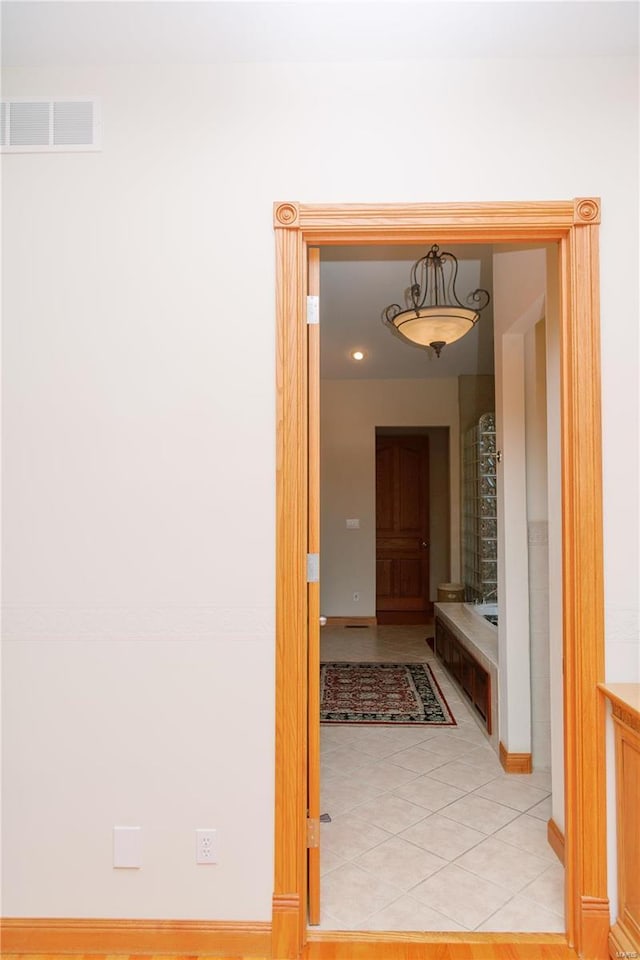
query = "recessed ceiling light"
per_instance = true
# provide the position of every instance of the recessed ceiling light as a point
(357, 355)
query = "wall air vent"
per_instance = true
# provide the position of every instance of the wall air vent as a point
(31, 125)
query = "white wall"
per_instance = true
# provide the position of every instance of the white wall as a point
(529, 570)
(538, 543)
(350, 411)
(554, 536)
(139, 428)
(519, 289)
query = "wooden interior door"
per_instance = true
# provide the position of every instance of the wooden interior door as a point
(313, 603)
(402, 529)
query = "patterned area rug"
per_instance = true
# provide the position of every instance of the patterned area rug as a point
(404, 693)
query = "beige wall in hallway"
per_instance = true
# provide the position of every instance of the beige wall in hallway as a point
(477, 395)
(350, 412)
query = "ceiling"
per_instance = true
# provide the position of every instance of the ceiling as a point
(357, 283)
(217, 31)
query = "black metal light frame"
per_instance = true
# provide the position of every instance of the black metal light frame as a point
(431, 293)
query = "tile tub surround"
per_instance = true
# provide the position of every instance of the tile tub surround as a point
(425, 832)
(480, 638)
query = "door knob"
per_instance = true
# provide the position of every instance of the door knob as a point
(424, 544)
(323, 621)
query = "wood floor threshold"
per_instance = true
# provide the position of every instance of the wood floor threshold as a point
(392, 618)
(215, 938)
(351, 621)
(399, 945)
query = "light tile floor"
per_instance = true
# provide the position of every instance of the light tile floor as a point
(427, 831)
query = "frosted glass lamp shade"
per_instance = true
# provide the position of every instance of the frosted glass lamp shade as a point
(434, 315)
(429, 325)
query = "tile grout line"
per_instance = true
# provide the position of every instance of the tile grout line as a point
(466, 724)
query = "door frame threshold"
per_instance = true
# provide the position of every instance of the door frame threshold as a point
(418, 945)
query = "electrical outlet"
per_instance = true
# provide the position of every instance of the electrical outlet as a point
(206, 847)
(356, 597)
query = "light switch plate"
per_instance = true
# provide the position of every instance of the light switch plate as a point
(127, 847)
(353, 524)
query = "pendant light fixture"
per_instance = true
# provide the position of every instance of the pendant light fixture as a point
(434, 316)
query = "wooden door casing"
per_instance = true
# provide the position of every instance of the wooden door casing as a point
(573, 226)
(402, 524)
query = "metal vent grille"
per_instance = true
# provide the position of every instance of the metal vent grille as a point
(49, 125)
(73, 123)
(28, 124)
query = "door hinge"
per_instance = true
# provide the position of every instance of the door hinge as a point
(313, 310)
(313, 832)
(313, 567)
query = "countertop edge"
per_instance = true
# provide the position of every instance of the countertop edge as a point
(625, 695)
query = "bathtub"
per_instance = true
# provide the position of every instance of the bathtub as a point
(464, 624)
